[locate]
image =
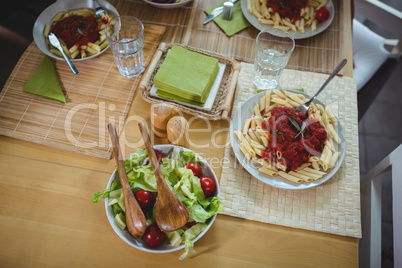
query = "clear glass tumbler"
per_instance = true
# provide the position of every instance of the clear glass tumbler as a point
(272, 52)
(126, 37)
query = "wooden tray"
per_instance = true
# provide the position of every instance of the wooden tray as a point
(223, 100)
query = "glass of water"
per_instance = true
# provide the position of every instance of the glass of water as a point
(126, 37)
(272, 52)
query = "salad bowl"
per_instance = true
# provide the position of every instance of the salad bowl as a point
(165, 247)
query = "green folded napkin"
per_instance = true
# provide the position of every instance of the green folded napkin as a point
(44, 82)
(236, 24)
(186, 76)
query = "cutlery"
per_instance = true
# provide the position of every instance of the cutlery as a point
(170, 212)
(227, 10)
(56, 43)
(304, 107)
(217, 11)
(135, 219)
(99, 10)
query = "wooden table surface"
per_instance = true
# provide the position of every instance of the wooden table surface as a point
(48, 218)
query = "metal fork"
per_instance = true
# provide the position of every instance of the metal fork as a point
(228, 9)
(304, 107)
(99, 9)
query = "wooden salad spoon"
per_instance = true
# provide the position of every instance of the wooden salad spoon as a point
(135, 219)
(170, 212)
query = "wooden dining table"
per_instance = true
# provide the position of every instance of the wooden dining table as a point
(47, 215)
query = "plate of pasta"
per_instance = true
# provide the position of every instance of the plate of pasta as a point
(297, 19)
(284, 148)
(167, 4)
(79, 30)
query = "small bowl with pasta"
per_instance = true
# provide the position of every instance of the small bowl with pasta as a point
(79, 30)
(284, 148)
(167, 4)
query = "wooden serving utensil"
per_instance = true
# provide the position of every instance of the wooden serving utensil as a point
(135, 219)
(170, 212)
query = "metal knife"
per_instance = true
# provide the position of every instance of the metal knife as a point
(56, 43)
(216, 12)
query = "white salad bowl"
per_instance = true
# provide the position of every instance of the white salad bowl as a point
(64, 5)
(164, 248)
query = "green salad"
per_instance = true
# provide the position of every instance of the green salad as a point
(185, 177)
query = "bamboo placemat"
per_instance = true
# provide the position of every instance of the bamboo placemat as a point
(95, 97)
(320, 53)
(332, 207)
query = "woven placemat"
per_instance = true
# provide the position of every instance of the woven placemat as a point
(95, 97)
(332, 207)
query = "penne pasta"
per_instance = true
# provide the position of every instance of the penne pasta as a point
(267, 171)
(305, 17)
(301, 176)
(290, 177)
(255, 138)
(69, 33)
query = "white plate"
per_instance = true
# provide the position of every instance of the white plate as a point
(246, 111)
(212, 93)
(321, 26)
(165, 248)
(168, 6)
(64, 5)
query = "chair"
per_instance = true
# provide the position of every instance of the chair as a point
(375, 57)
(369, 52)
(370, 244)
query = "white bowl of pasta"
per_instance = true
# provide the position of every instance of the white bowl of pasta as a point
(281, 147)
(82, 38)
(168, 4)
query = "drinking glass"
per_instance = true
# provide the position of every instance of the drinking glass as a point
(126, 37)
(272, 52)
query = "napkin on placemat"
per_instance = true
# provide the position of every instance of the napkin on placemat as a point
(236, 24)
(44, 82)
(186, 76)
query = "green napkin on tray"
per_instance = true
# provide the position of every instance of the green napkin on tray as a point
(236, 24)
(186, 76)
(44, 82)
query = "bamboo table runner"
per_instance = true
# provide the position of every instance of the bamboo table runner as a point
(320, 53)
(332, 207)
(95, 97)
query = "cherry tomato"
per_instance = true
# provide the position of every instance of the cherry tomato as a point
(145, 199)
(154, 236)
(195, 168)
(191, 223)
(159, 156)
(208, 185)
(322, 14)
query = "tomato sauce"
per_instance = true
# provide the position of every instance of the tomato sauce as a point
(285, 138)
(288, 8)
(77, 29)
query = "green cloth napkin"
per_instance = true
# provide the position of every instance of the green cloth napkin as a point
(44, 82)
(186, 75)
(236, 24)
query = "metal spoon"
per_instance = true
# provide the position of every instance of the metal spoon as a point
(304, 107)
(170, 212)
(56, 43)
(135, 219)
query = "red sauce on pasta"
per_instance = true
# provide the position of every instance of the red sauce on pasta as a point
(288, 8)
(285, 139)
(77, 29)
